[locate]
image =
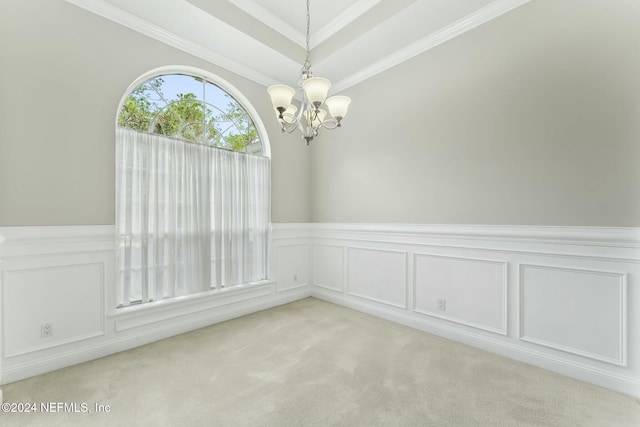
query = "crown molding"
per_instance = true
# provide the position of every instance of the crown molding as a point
(345, 18)
(276, 23)
(273, 21)
(131, 21)
(469, 22)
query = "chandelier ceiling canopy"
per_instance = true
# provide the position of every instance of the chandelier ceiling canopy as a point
(310, 116)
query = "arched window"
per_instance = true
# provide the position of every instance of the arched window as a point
(193, 108)
(192, 187)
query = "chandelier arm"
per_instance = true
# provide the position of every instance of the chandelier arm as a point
(289, 127)
(330, 124)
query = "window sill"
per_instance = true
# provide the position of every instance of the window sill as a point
(195, 302)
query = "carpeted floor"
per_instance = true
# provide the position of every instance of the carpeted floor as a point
(311, 363)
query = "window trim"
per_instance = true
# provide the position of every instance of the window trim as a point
(216, 80)
(211, 296)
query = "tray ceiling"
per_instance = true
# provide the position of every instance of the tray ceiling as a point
(264, 40)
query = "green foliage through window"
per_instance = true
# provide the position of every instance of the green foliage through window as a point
(192, 109)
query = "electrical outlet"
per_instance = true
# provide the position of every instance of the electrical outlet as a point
(442, 304)
(295, 278)
(46, 330)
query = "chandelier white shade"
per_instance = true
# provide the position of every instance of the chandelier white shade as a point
(338, 106)
(316, 89)
(281, 96)
(309, 117)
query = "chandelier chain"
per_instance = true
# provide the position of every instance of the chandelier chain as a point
(307, 62)
(308, 23)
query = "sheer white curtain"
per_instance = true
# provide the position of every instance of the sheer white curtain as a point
(189, 217)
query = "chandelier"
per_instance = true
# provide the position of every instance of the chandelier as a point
(309, 117)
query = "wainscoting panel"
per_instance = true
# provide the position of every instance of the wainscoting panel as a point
(328, 267)
(65, 276)
(562, 298)
(378, 275)
(66, 293)
(292, 266)
(577, 311)
(468, 291)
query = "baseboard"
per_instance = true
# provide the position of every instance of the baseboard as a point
(603, 378)
(117, 343)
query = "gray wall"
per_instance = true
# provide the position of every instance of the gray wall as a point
(62, 73)
(529, 119)
(533, 118)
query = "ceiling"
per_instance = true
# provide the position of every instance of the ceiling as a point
(264, 40)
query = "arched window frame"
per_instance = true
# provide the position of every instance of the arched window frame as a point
(216, 80)
(249, 109)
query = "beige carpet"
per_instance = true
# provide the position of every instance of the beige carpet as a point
(311, 363)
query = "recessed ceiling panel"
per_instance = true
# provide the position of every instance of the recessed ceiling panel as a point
(339, 57)
(293, 12)
(263, 40)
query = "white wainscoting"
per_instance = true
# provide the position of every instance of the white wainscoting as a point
(58, 290)
(292, 261)
(562, 298)
(328, 267)
(378, 275)
(473, 291)
(589, 305)
(65, 276)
